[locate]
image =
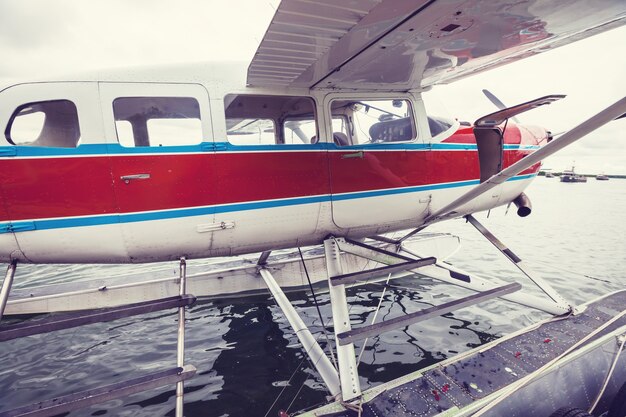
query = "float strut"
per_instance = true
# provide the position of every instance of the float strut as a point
(540, 282)
(180, 347)
(6, 286)
(321, 362)
(348, 373)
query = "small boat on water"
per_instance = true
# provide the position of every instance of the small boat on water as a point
(602, 177)
(572, 176)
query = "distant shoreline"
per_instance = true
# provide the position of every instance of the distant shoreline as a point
(558, 174)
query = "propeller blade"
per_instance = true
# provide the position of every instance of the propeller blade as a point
(569, 137)
(496, 101)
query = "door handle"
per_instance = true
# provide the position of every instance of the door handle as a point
(352, 155)
(128, 178)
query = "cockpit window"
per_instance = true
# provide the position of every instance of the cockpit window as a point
(45, 123)
(270, 120)
(157, 121)
(438, 125)
(358, 122)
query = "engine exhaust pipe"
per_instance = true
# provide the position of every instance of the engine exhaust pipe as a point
(523, 204)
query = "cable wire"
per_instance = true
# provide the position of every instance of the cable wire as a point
(608, 376)
(380, 302)
(319, 312)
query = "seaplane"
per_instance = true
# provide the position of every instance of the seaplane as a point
(323, 142)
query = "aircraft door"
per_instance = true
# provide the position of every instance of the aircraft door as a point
(377, 163)
(160, 148)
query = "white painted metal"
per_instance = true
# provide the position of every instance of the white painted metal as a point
(610, 113)
(323, 45)
(299, 34)
(83, 94)
(6, 286)
(180, 345)
(226, 279)
(319, 359)
(348, 372)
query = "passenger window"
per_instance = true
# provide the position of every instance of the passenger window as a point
(358, 122)
(157, 121)
(45, 123)
(270, 120)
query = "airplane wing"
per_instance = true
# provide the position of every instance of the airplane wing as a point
(397, 45)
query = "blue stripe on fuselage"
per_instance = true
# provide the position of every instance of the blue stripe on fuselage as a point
(209, 147)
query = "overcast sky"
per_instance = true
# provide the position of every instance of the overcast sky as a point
(42, 37)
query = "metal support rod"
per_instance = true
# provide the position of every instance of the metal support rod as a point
(452, 275)
(348, 372)
(540, 282)
(68, 321)
(6, 286)
(366, 275)
(180, 347)
(83, 399)
(425, 314)
(321, 362)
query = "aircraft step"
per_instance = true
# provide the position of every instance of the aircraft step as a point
(99, 395)
(382, 271)
(67, 321)
(399, 322)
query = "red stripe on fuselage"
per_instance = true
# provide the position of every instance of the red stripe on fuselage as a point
(80, 186)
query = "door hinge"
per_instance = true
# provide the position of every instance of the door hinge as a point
(213, 146)
(17, 227)
(214, 227)
(8, 151)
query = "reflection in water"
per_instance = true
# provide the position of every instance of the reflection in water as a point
(255, 369)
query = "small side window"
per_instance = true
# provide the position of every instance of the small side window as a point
(157, 121)
(45, 123)
(358, 122)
